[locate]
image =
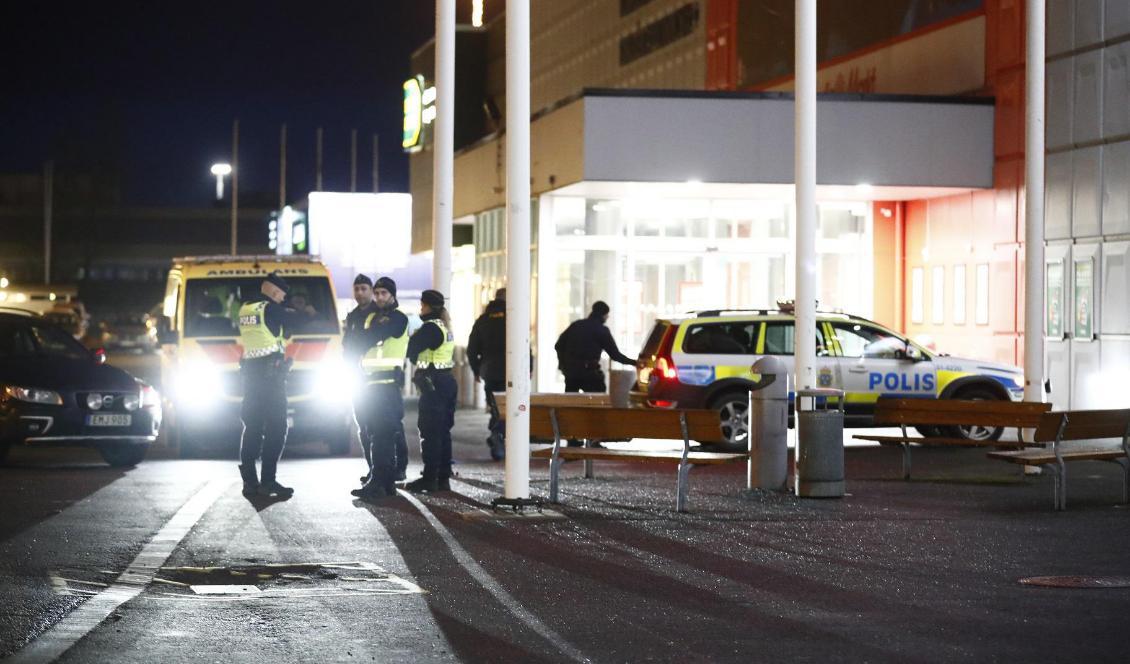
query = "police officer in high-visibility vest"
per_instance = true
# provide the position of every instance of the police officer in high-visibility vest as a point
(385, 333)
(432, 348)
(263, 326)
(354, 345)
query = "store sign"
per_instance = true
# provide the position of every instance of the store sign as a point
(1055, 300)
(413, 112)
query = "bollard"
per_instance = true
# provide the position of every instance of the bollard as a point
(820, 444)
(768, 465)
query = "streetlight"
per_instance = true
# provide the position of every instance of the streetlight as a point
(220, 170)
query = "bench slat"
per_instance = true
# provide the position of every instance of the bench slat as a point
(958, 442)
(1084, 425)
(558, 399)
(603, 454)
(623, 423)
(958, 412)
(1042, 457)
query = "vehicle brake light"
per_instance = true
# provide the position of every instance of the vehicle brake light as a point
(664, 363)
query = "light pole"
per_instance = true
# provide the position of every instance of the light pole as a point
(220, 170)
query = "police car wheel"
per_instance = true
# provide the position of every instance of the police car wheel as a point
(976, 433)
(732, 408)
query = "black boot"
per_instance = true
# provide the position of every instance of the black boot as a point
(423, 485)
(250, 480)
(273, 488)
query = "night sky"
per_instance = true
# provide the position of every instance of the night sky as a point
(150, 89)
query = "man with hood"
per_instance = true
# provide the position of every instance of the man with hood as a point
(385, 338)
(486, 353)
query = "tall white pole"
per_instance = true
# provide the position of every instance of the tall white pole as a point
(805, 173)
(517, 480)
(234, 186)
(1034, 206)
(443, 146)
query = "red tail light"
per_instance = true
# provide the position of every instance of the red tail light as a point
(664, 363)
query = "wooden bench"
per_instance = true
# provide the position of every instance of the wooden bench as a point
(563, 422)
(1057, 428)
(952, 412)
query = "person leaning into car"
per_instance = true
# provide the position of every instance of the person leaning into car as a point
(264, 324)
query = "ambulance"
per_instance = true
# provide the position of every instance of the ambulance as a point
(703, 360)
(200, 352)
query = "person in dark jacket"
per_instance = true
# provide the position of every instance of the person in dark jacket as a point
(579, 348)
(486, 353)
(385, 338)
(354, 345)
(432, 349)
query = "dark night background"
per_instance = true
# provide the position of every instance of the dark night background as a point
(143, 93)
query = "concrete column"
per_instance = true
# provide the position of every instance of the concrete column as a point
(517, 481)
(1034, 205)
(805, 174)
(443, 146)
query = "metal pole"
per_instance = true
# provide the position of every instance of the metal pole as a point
(282, 167)
(805, 174)
(353, 161)
(318, 159)
(376, 163)
(1034, 205)
(48, 216)
(444, 146)
(234, 186)
(517, 480)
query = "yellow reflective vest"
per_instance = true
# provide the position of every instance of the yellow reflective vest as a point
(442, 357)
(386, 355)
(254, 334)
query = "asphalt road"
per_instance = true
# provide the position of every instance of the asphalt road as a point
(96, 565)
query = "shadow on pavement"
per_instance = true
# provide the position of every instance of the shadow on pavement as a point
(69, 475)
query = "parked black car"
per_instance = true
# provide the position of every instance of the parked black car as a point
(53, 391)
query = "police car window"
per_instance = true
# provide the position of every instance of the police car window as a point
(212, 305)
(779, 339)
(720, 339)
(864, 341)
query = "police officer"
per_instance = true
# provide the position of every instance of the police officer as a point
(432, 348)
(354, 345)
(486, 353)
(386, 335)
(579, 348)
(263, 325)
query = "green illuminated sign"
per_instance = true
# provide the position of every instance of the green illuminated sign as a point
(413, 112)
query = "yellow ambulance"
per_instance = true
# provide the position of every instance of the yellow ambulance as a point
(201, 350)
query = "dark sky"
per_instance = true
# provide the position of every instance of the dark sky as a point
(151, 88)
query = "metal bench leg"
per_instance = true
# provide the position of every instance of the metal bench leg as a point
(554, 467)
(588, 462)
(684, 486)
(1059, 480)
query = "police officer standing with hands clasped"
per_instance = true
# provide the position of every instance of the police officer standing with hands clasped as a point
(264, 325)
(385, 336)
(432, 350)
(354, 345)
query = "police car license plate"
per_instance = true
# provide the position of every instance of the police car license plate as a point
(107, 420)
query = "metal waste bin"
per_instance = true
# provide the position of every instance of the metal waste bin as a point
(768, 465)
(820, 443)
(620, 382)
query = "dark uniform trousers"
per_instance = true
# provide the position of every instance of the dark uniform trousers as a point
(383, 415)
(585, 378)
(436, 417)
(497, 424)
(263, 413)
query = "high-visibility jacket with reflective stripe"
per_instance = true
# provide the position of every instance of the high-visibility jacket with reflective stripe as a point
(254, 334)
(386, 355)
(442, 357)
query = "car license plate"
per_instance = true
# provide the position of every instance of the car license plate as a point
(108, 420)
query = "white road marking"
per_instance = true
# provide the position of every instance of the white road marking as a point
(50, 645)
(491, 586)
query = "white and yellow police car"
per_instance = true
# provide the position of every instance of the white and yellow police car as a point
(703, 360)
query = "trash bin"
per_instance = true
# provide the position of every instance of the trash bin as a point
(620, 382)
(768, 465)
(820, 443)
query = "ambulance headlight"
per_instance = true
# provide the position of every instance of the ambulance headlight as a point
(199, 384)
(336, 383)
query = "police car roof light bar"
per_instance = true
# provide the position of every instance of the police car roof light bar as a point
(267, 258)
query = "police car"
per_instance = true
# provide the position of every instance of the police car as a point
(703, 360)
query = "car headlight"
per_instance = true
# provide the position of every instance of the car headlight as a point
(33, 395)
(131, 401)
(336, 383)
(149, 397)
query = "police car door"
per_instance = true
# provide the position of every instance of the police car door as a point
(873, 363)
(777, 339)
